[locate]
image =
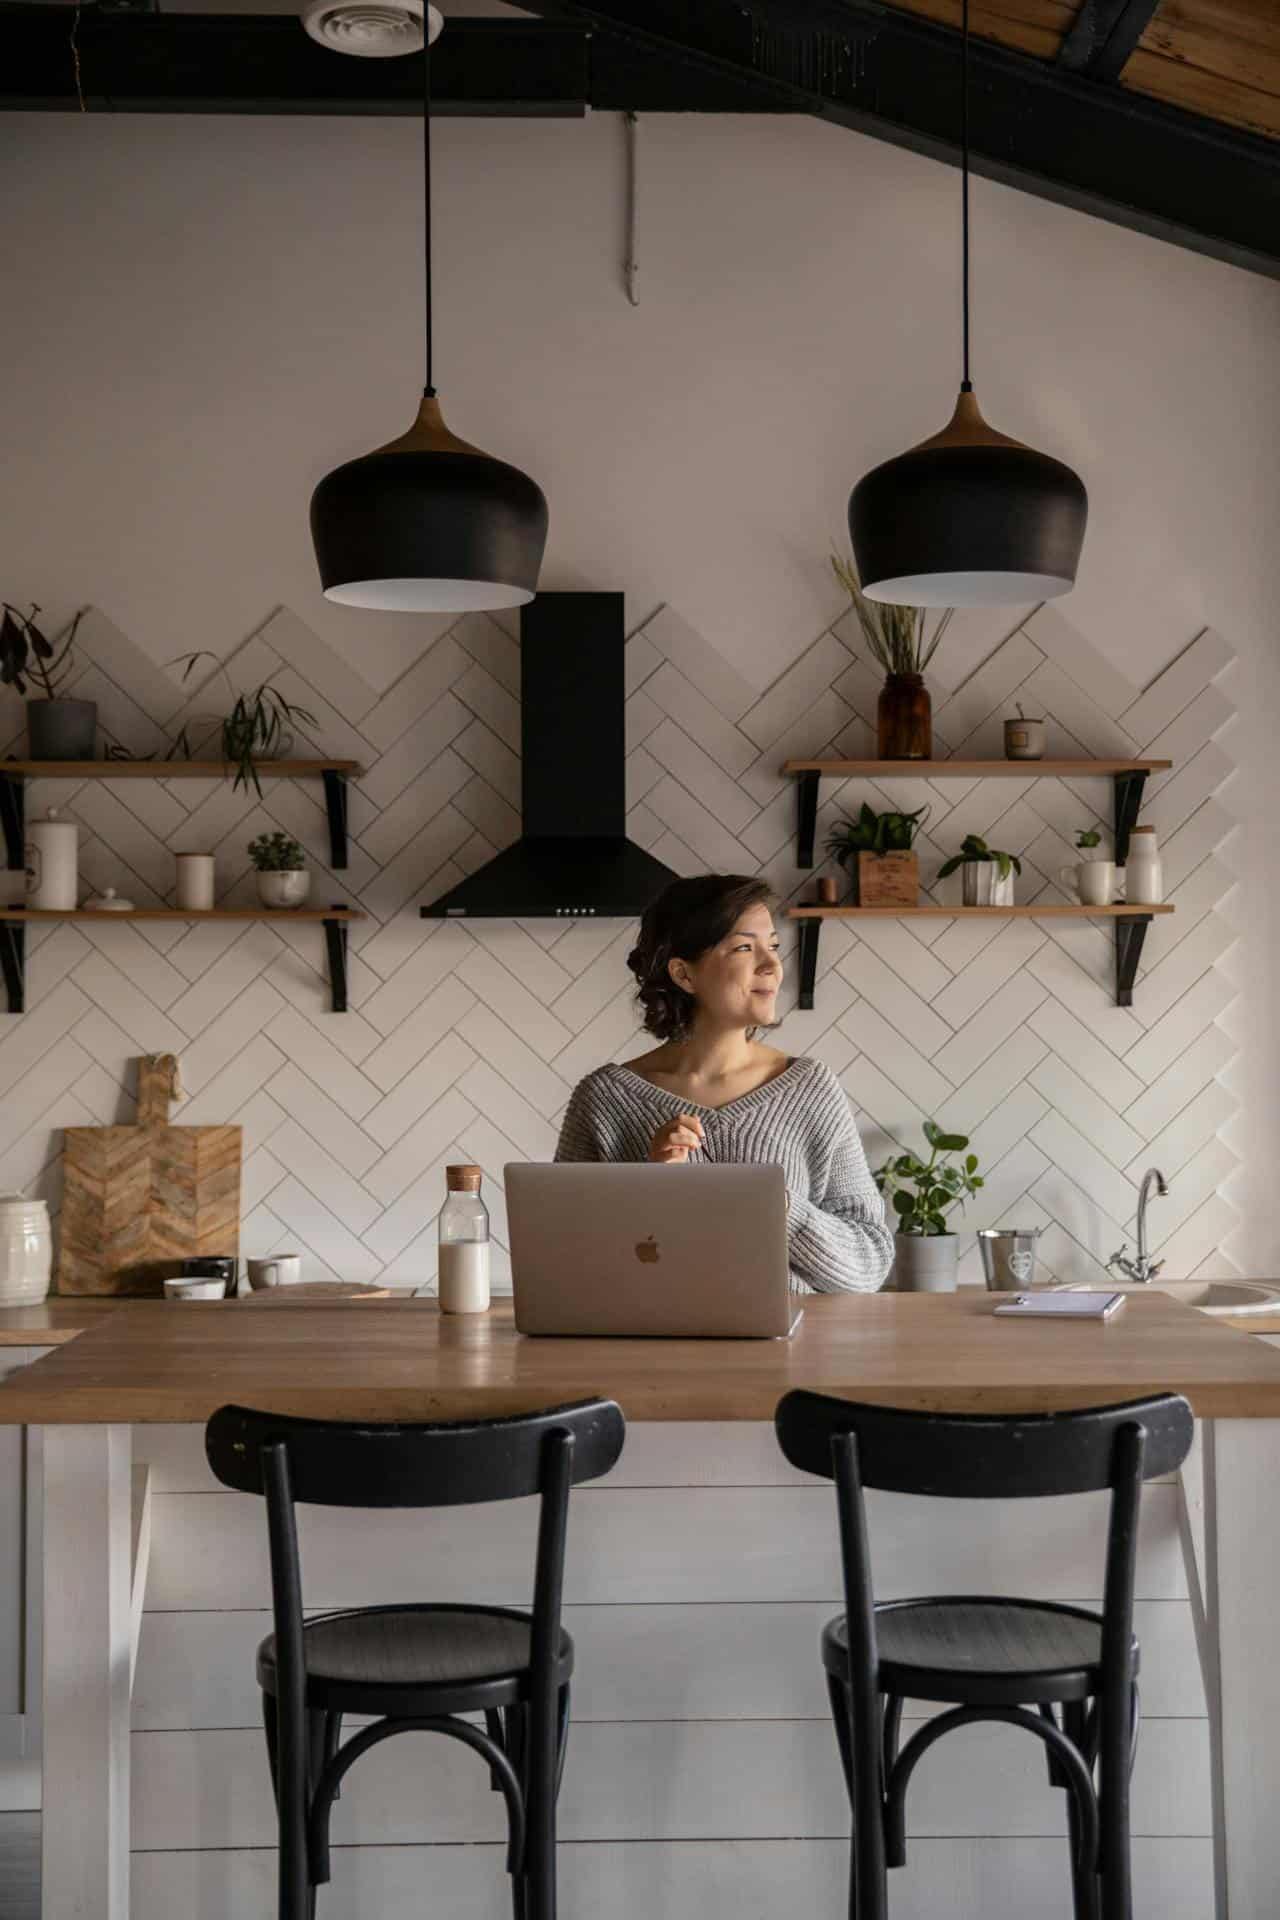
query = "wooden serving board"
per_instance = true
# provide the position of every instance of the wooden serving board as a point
(137, 1200)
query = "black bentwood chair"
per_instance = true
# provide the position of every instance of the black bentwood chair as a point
(417, 1668)
(1064, 1674)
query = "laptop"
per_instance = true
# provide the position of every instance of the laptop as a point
(650, 1251)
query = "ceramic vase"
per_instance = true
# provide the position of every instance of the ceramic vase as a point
(287, 889)
(62, 729)
(924, 1262)
(26, 1251)
(985, 885)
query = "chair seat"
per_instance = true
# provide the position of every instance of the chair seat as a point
(377, 1651)
(989, 1651)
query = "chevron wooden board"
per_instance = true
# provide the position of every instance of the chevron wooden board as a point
(138, 1199)
(464, 1042)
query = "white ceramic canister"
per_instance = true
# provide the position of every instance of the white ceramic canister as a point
(50, 858)
(194, 890)
(1143, 872)
(26, 1251)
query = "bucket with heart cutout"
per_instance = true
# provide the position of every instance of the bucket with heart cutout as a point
(1009, 1257)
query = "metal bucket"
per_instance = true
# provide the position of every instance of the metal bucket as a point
(1009, 1257)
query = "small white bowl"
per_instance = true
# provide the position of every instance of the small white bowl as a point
(208, 1288)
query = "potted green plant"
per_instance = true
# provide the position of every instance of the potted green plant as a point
(921, 1194)
(58, 727)
(878, 850)
(897, 641)
(257, 727)
(988, 872)
(283, 880)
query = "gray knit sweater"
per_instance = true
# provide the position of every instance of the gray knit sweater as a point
(800, 1120)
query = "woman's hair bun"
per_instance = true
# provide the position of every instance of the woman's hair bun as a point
(684, 922)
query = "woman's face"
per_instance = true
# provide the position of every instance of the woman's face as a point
(736, 983)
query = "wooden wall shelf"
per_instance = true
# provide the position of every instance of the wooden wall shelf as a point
(14, 922)
(15, 773)
(1128, 778)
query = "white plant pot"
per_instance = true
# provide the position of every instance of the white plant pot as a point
(284, 889)
(924, 1262)
(983, 886)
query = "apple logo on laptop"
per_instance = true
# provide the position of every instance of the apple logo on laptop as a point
(647, 1251)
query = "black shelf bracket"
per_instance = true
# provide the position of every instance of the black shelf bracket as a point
(1128, 804)
(13, 962)
(13, 815)
(335, 801)
(809, 931)
(1131, 931)
(807, 795)
(335, 939)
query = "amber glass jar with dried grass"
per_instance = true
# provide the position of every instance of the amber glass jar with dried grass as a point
(898, 643)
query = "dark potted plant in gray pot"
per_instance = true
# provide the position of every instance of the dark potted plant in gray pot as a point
(58, 728)
(921, 1194)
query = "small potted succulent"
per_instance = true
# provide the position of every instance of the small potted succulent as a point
(921, 1193)
(58, 728)
(1093, 879)
(878, 849)
(987, 872)
(283, 880)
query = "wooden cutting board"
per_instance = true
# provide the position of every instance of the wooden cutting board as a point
(137, 1200)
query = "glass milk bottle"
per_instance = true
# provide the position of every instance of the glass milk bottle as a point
(1143, 873)
(464, 1244)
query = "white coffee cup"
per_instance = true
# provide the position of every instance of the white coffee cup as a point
(280, 1270)
(206, 1288)
(1093, 882)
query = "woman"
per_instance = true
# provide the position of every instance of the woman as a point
(708, 973)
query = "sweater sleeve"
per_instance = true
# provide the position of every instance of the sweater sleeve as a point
(838, 1241)
(579, 1132)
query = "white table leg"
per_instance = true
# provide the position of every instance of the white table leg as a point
(87, 1581)
(1241, 1579)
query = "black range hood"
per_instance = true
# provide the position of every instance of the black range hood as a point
(573, 858)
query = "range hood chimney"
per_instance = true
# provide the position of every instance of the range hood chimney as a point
(573, 858)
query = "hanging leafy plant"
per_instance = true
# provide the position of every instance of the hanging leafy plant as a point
(27, 658)
(257, 727)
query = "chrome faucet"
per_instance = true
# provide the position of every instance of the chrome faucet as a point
(1142, 1268)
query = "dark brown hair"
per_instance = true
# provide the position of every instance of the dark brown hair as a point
(684, 922)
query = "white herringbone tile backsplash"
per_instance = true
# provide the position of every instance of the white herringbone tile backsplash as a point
(464, 1041)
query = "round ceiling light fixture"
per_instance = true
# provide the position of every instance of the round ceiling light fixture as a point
(427, 523)
(370, 29)
(969, 517)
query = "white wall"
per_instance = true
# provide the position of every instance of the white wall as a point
(205, 315)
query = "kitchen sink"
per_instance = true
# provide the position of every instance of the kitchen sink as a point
(1226, 1297)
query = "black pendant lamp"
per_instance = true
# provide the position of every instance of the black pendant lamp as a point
(969, 518)
(428, 523)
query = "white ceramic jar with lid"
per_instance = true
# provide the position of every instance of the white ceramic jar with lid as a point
(26, 1251)
(1143, 871)
(51, 862)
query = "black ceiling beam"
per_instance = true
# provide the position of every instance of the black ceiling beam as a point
(1103, 150)
(266, 63)
(1103, 35)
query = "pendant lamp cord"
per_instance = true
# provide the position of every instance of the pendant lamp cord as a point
(966, 384)
(426, 183)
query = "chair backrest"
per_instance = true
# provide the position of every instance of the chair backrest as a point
(982, 1456)
(429, 1464)
(989, 1456)
(437, 1464)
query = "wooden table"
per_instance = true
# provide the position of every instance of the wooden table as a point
(156, 1362)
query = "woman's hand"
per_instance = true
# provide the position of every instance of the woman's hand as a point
(677, 1140)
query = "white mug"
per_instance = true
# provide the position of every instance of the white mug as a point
(204, 1287)
(281, 1270)
(1093, 882)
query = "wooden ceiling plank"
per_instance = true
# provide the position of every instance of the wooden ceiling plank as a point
(1178, 85)
(1250, 62)
(1004, 26)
